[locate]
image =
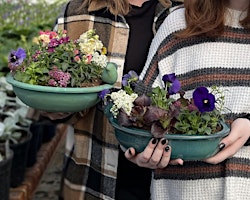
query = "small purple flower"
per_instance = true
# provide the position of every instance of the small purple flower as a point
(204, 100)
(170, 78)
(16, 58)
(173, 84)
(51, 49)
(64, 40)
(53, 43)
(131, 76)
(103, 93)
(125, 79)
(52, 82)
(58, 77)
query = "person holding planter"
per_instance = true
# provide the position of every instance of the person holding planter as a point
(126, 27)
(204, 43)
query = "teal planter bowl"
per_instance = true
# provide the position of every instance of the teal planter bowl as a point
(186, 147)
(56, 99)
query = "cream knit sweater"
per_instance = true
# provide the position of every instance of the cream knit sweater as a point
(223, 61)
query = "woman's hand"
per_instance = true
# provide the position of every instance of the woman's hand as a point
(156, 155)
(56, 115)
(230, 145)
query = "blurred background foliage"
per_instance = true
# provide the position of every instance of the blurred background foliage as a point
(21, 20)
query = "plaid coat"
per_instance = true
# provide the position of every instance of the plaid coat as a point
(90, 168)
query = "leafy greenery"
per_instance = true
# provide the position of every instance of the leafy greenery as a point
(22, 20)
(57, 61)
(161, 114)
(13, 112)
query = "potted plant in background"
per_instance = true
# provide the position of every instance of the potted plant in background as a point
(193, 127)
(6, 156)
(58, 74)
(14, 131)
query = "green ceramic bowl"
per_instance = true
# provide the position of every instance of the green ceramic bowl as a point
(186, 147)
(56, 99)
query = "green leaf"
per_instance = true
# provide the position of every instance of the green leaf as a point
(65, 66)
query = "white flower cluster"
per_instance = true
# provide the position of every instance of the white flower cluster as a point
(100, 60)
(122, 100)
(90, 43)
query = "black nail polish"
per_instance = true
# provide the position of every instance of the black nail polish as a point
(167, 148)
(154, 141)
(221, 146)
(164, 141)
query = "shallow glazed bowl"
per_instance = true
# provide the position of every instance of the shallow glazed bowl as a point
(56, 99)
(186, 147)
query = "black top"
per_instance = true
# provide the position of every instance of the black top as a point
(140, 21)
(133, 182)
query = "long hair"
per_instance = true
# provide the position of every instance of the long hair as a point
(206, 18)
(116, 7)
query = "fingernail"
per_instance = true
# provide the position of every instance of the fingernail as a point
(221, 146)
(167, 148)
(154, 141)
(164, 141)
(129, 151)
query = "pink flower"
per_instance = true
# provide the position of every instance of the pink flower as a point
(51, 34)
(51, 49)
(89, 58)
(53, 43)
(52, 82)
(192, 107)
(177, 104)
(76, 51)
(77, 59)
(59, 77)
(64, 40)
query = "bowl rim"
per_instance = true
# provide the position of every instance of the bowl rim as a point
(51, 89)
(145, 133)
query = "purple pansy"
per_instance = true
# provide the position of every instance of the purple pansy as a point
(130, 76)
(173, 84)
(204, 100)
(169, 78)
(103, 93)
(16, 58)
(125, 80)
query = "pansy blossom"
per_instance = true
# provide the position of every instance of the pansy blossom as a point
(204, 100)
(16, 58)
(172, 83)
(131, 76)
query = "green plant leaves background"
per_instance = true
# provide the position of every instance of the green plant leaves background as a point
(22, 20)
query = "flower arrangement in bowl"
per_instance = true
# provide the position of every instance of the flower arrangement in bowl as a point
(193, 127)
(58, 74)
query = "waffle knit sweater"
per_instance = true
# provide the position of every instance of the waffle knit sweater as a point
(200, 61)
